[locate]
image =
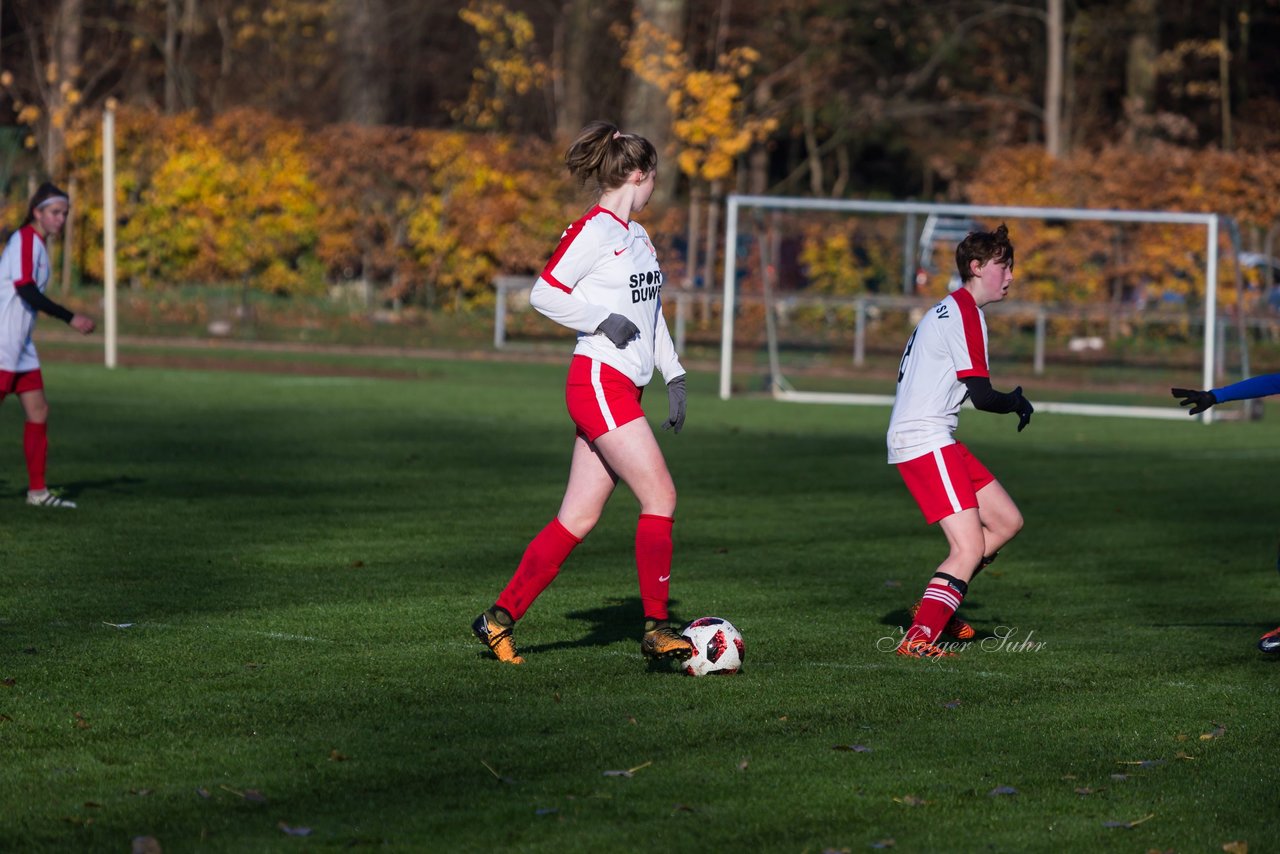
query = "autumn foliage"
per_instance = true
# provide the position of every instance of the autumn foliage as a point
(428, 216)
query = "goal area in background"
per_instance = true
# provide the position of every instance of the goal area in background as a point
(1108, 308)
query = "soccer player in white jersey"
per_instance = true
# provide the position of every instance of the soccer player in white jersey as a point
(1200, 400)
(945, 362)
(604, 282)
(24, 275)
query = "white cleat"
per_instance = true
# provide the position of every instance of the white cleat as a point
(45, 498)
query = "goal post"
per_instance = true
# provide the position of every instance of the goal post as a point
(740, 205)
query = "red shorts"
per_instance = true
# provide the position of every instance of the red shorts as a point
(600, 398)
(945, 482)
(11, 383)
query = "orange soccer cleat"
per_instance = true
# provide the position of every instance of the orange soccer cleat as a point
(956, 627)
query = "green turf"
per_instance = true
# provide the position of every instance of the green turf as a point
(257, 622)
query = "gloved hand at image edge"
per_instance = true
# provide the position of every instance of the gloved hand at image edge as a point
(1199, 401)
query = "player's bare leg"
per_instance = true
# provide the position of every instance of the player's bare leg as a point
(934, 614)
(632, 453)
(591, 482)
(1000, 522)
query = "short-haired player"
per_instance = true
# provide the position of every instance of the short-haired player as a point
(945, 363)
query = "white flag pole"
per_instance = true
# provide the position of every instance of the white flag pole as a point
(109, 231)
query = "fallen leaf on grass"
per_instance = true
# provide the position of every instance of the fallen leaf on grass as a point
(335, 756)
(852, 748)
(911, 801)
(546, 811)
(93, 805)
(884, 843)
(1085, 790)
(80, 820)
(496, 775)
(145, 845)
(294, 831)
(1142, 763)
(118, 625)
(1240, 846)
(203, 792)
(80, 721)
(1119, 776)
(1002, 790)
(954, 704)
(251, 795)
(682, 808)
(5, 718)
(142, 793)
(893, 583)
(1218, 731)
(8, 682)
(742, 765)
(1182, 754)
(630, 772)
(1129, 825)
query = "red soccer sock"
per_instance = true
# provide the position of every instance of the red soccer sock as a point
(35, 445)
(653, 563)
(538, 567)
(940, 601)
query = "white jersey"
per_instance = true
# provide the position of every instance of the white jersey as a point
(24, 261)
(605, 266)
(949, 344)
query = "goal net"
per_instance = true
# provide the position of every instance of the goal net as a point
(1109, 308)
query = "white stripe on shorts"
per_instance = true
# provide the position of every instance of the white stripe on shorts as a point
(946, 481)
(600, 398)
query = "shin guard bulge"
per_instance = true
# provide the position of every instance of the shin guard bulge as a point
(653, 563)
(538, 568)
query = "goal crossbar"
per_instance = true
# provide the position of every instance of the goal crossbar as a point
(736, 203)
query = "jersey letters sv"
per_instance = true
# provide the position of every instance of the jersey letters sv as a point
(646, 286)
(941, 310)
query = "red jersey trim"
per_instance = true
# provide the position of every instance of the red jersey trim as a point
(28, 256)
(972, 320)
(570, 233)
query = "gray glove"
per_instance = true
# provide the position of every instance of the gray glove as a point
(619, 330)
(676, 396)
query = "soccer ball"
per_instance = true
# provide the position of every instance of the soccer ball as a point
(717, 647)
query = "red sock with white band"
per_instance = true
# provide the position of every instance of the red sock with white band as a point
(939, 602)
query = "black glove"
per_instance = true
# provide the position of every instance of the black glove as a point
(1024, 409)
(1199, 401)
(676, 398)
(619, 330)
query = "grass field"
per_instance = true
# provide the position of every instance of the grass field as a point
(253, 634)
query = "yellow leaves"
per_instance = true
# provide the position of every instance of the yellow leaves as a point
(709, 117)
(508, 66)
